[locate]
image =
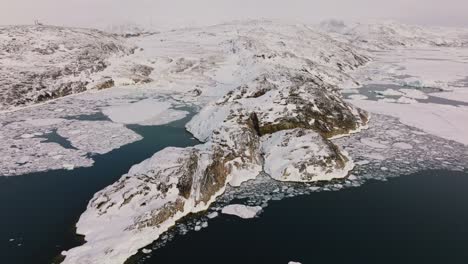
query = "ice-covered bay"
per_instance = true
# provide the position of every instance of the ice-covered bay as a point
(91, 123)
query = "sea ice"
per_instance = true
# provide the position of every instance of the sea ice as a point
(439, 120)
(414, 94)
(79, 121)
(460, 94)
(391, 92)
(402, 145)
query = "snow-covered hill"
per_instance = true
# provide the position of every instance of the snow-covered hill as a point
(390, 34)
(38, 63)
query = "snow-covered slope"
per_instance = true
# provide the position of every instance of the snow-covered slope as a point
(38, 63)
(301, 155)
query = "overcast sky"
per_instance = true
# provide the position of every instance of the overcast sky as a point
(90, 13)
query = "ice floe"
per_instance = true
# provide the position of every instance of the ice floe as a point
(414, 94)
(241, 210)
(145, 112)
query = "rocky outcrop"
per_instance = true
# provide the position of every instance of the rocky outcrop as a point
(302, 155)
(305, 102)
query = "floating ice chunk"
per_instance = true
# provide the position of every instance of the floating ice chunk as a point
(350, 91)
(374, 156)
(358, 97)
(105, 137)
(146, 251)
(44, 121)
(406, 100)
(402, 145)
(362, 162)
(145, 112)
(23, 160)
(391, 92)
(212, 215)
(387, 100)
(415, 94)
(373, 144)
(68, 166)
(394, 133)
(422, 83)
(293, 262)
(242, 211)
(27, 136)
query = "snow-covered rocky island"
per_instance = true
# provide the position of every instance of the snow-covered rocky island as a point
(276, 104)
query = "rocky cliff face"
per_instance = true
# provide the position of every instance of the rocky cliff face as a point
(38, 63)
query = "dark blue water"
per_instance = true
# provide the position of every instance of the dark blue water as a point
(54, 137)
(421, 218)
(39, 210)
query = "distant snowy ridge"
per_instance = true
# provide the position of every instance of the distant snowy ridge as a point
(39, 63)
(390, 34)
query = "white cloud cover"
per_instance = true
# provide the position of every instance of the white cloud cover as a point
(201, 12)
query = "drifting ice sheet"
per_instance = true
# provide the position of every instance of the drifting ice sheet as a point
(145, 112)
(241, 210)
